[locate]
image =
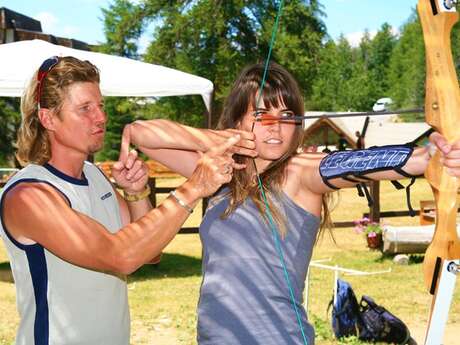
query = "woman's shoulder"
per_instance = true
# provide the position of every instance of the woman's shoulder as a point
(306, 160)
(303, 175)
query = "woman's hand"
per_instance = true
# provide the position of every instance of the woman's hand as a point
(450, 153)
(164, 134)
(245, 147)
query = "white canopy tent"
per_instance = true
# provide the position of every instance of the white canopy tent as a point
(119, 76)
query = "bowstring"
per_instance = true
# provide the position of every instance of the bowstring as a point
(273, 226)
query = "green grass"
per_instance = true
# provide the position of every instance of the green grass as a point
(163, 298)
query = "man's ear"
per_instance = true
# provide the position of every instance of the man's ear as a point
(46, 118)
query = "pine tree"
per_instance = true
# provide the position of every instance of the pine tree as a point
(215, 39)
(11, 119)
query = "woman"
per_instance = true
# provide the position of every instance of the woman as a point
(257, 246)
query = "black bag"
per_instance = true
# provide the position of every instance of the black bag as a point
(345, 311)
(378, 324)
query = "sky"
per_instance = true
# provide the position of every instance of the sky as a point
(82, 19)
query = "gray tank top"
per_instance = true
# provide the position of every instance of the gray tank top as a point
(244, 298)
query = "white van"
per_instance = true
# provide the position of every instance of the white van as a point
(382, 104)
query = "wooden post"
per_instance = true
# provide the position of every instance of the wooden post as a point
(374, 211)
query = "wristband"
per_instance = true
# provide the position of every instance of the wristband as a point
(139, 196)
(180, 201)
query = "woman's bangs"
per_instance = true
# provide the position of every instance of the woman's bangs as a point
(270, 98)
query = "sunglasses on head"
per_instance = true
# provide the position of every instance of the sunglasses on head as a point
(43, 71)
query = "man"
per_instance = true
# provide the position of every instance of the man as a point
(70, 236)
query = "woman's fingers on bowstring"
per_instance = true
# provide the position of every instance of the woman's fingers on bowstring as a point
(244, 151)
(232, 163)
(224, 147)
(220, 155)
(245, 135)
(238, 166)
(247, 138)
(245, 146)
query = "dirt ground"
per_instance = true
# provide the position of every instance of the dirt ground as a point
(451, 334)
(164, 335)
(160, 333)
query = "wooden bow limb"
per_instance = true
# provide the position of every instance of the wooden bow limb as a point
(442, 112)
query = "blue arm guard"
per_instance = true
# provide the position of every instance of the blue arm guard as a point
(357, 163)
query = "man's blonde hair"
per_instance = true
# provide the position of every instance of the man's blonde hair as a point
(33, 142)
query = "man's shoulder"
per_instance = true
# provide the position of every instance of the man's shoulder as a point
(29, 172)
(27, 193)
(31, 181)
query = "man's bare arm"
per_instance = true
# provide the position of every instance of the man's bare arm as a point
(47, 219)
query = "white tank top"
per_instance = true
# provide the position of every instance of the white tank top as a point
(60, 303)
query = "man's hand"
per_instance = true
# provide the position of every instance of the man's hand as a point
(215, 168)
(130, 172)
(450, 153)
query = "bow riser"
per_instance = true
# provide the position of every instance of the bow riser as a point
(442, 111)
(442, 102)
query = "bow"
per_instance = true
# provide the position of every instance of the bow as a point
(442, 112)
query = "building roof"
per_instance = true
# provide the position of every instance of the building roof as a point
(388, 133)
(15, 26)
(381, 130)
(13, 20)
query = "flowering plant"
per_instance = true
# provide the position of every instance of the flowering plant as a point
(367, 227)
